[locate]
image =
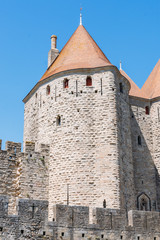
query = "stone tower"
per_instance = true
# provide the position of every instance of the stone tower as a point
(80, 107)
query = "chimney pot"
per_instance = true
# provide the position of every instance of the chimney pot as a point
(53, 52)
(53, 41)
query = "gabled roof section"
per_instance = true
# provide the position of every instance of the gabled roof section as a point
(134, 90)
(152, 86)
(81, 51)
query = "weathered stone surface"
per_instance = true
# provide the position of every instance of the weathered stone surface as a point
(91, 162)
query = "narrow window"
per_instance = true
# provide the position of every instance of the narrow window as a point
(1, 229)
(139, 140)
(55, 93)
(154, 238)
(82, 234)
(58, 120)
(66, 83)
(121, 237)
(104, 203)
(101, 87)
(40, 100)
(48, 90)
(62, 234)
(138, 238)
(44, 233)
(102, 236)
(121, 87)
(76, 88)
(22, 231)
(88, 81)
(147, 110)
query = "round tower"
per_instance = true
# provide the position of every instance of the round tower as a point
(80, 107)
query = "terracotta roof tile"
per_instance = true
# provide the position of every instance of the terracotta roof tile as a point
(152, 86)
(134, 90)
(81, 51)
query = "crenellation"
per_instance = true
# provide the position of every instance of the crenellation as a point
(23, 174)
(91, 162)
(13, 147)
(3, 206)
(29, 146)
(72, 222)
(71, 216)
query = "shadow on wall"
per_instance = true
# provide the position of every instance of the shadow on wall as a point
(146, 175)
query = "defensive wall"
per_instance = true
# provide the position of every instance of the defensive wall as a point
(73, 223)
(24, 211)
(146, 153)
(23, 175)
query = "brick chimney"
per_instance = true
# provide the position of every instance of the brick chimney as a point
(53, 53)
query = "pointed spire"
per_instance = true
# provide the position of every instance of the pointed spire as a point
(80, 16)
(120, 66)
(81, 44)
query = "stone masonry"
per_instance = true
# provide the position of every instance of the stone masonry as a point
(91, 162)
(86, 150)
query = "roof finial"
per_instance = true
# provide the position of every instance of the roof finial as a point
(120, 66)
(80, 16)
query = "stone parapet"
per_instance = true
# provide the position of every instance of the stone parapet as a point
(72, 223)
(23, 174)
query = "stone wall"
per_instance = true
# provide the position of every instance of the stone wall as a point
(144, 166)
(125, 159)
(90, 150)
(155, 115)
(23, 175)
(72, 223)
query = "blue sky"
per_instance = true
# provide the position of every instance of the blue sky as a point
(125, 30)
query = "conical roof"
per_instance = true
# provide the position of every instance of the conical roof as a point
(152, 86)
(134, 90)
(81, 51)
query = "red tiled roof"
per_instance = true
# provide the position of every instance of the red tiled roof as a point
(152, 86)
(134, 90)
(81, 51)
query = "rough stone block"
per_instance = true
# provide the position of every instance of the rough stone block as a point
(13, 147)
(71, 215)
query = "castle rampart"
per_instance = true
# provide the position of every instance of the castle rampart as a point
(24, 175)
(72, 223)
(90, 167)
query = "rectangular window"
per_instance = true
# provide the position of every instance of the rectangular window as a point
(66, 83)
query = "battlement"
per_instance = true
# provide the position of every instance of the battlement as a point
(24, 174)
(14, 147)
(72, 222)
(65, 215)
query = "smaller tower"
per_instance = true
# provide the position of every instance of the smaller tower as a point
(53, 53)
